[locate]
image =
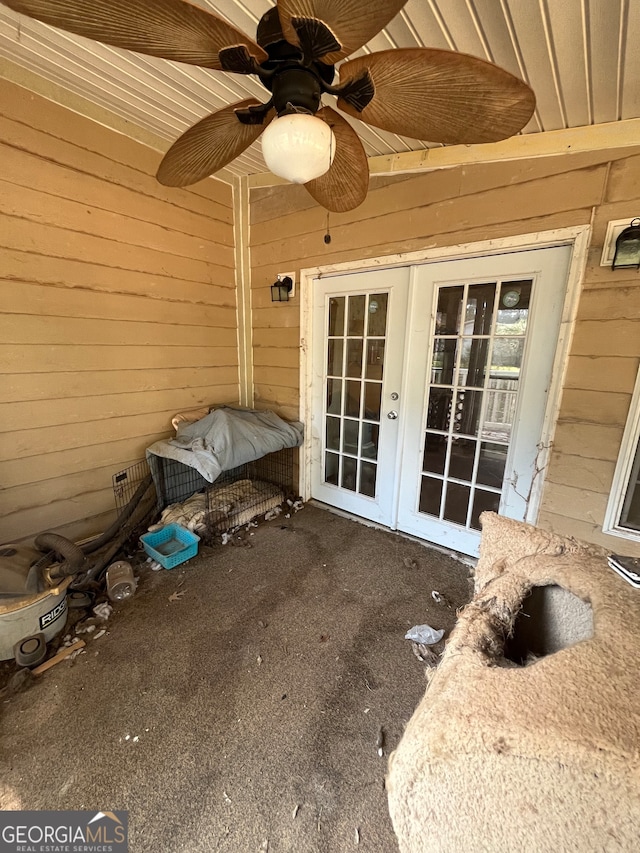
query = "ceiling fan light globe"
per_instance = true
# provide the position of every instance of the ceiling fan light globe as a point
(298, 147)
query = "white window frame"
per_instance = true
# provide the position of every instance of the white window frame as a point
(622, 475)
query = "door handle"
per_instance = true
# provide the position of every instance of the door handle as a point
(393, 415)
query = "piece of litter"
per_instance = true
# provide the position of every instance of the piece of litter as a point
(226, 796)
(68, 652)
(288, 515)
(424, 634)
(259, 659)
(366, 710)
(380, 742)
(136, 738)
(226, 538)
(295, 811)
(264, 847)
(85, 629)
(425, 654)
(127, 737)
(298, 505)
(103, 611)
(410, 563)
(357, 835)
(177, 596)
(262, 623)
(272, 513)
(439, 598)
(154, 566)
(100, 633)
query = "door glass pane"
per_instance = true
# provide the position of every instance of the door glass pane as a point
(354, 357)
(456, 503)
(331, 467)
(350, 439)
(378, 315)
(368, 479)
(430, 495)
(435, 453)
(468, 410)
(463, 452)
(370, 437)
(372, 400)
(449, 310)
(483, 501)
(479, 309)
(468, 425)
(506, 358)
(493, 458)
(355, 325)
(333, 433)
(334, 358)
(349, 469)
(473, 362)
(375, 359)
(352, 398)
(444, 361)
(334, 396)
(513, 309)
(439, 413)
(336, 316)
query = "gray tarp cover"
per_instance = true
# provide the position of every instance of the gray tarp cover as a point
(226, 438)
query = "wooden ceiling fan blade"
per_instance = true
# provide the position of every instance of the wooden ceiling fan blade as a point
(171, 29)
(352, 22)
(209, 146)
(440, 96)
(345, 185)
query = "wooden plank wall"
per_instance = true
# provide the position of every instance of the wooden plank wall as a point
(461, 205)
(117, 309)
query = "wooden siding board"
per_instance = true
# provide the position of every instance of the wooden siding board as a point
(85, 274)
(23, 387)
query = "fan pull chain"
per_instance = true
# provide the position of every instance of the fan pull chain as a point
(327, 236)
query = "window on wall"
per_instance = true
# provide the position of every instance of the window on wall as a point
(623, 512)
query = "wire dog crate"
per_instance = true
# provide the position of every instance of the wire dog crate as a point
(237, 497)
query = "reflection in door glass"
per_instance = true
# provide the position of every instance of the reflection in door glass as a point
(334, 396)
(444, 361)
(378, 315)
(449, 310)
(336, 316)
(355, 370)
(478, 351)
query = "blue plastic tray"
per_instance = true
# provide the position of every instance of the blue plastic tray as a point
(171, 545)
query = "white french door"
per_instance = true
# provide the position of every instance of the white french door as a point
(358, 333)
(430, 388)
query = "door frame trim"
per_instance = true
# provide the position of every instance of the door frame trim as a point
(577, 237)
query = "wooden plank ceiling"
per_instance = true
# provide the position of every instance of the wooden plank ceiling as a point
(579, 56)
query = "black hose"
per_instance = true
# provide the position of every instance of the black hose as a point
(72, 555)
(127, 512)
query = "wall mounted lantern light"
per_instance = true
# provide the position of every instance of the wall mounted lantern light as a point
(281, 288)
(627, 254)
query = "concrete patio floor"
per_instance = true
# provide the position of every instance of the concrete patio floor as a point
(243, 715)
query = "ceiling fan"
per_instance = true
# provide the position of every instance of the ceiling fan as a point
(422, 93)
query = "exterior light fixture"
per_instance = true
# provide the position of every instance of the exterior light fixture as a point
(298, 147)
(627, 254)
(281, 288)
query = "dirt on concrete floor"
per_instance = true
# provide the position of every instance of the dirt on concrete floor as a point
(242, 713)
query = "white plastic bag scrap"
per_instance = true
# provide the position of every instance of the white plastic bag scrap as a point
(103, 611)
(424, 634)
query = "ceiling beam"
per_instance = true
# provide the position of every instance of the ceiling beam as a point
(599, 137)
